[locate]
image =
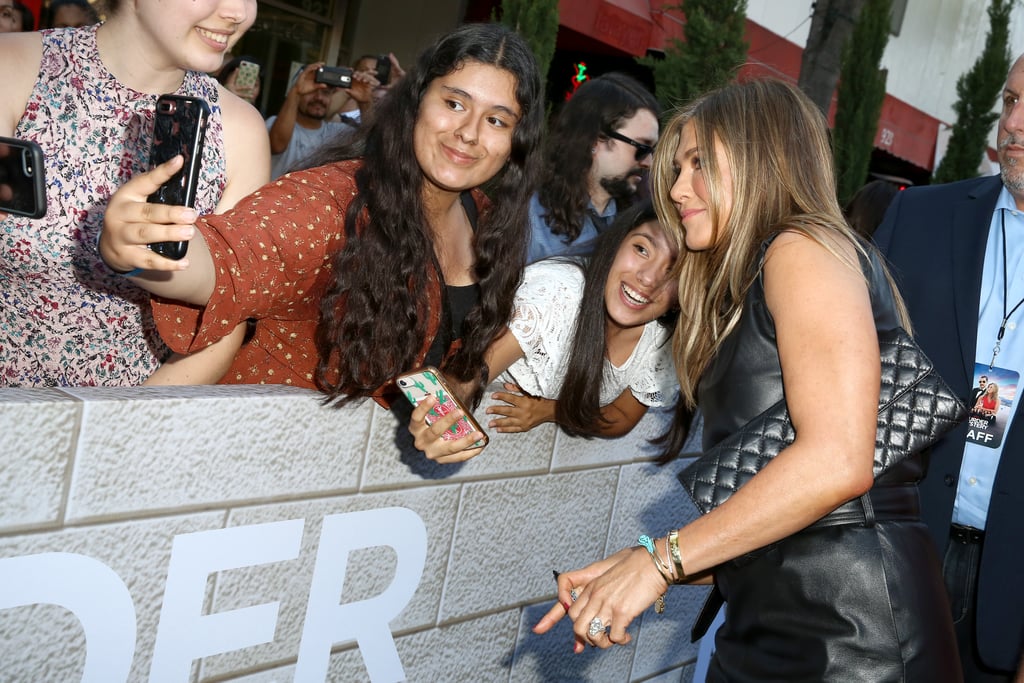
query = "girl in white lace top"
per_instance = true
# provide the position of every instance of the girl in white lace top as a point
(615, 312)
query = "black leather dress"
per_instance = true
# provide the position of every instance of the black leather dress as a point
(856, 597)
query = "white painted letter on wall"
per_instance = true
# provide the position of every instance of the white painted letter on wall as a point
(184, 633)
(365, 621)
(92, 592)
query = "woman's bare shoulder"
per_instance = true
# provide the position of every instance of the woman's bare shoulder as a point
(20, 54)
(246, 145)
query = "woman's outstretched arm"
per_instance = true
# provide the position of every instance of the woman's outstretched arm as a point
(131, 224)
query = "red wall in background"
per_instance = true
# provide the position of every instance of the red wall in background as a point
(37, 9)
(630, 27)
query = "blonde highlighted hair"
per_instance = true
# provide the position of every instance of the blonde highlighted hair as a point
(777, 147)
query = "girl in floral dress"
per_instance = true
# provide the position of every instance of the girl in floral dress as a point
(87, 97)
(385, 257)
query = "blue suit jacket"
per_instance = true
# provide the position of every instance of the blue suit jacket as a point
(934, 238)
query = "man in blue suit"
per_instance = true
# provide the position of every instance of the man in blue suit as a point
(957, 252)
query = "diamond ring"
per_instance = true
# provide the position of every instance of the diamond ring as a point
(596, 627)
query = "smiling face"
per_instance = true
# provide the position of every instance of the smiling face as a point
(195, 34)
(463, 132)
(639, 289)
(690, 194)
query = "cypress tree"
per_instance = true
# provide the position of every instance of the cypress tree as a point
(977, 92)
(860, 97)
(537, 22)
(832, 22)
(713, 49)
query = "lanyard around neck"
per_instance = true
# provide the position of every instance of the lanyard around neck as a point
(1006, 316)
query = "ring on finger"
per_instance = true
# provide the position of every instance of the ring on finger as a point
(596, 627)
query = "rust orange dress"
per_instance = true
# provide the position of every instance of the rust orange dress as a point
(273, 255)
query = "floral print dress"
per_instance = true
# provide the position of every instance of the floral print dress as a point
(65, 318)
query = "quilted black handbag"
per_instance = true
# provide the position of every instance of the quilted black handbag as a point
(915, 409)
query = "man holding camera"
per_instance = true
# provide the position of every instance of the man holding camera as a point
(346, 107)
(300, 128)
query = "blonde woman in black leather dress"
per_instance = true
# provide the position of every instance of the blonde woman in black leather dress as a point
(779, 298)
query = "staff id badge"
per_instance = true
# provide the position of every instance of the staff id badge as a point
(991, 400)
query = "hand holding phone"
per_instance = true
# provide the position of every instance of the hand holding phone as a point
(179, 128)
(383, 69)
(428, 381)
(246, 79)
(334, 76)
(22, 179)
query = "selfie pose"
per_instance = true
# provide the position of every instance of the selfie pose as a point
(88, 96)
(385, 259)
(780, 299)
(615, 310)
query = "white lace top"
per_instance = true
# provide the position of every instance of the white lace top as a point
(544, 321)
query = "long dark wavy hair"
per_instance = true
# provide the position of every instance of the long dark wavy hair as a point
(578, 409)
(374, 314)
(598, 106)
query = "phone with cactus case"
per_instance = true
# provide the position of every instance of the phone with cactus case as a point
(428, 381)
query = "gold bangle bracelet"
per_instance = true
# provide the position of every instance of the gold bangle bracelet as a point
(677, 559)
(659, 603)
(648, 543)
(662, 568)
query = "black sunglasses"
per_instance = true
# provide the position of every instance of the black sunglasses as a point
(642, 151)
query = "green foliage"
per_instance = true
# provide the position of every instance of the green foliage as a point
(537, 22)
(860, 97)
(714, 48)
(977, 91)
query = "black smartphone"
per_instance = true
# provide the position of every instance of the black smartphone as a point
(383, 69)
(337, 76)
(22, 180)
(179, 128)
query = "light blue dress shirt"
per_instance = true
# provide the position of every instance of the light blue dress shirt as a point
(544, 243)
(978, 470)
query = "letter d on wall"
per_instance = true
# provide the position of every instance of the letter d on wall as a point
(365, 621)
(92, 592)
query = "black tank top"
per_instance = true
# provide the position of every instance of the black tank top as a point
(456, 301)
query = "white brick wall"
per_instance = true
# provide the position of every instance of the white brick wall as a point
(116, 475)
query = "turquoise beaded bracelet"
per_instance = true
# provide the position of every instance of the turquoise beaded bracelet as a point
(648, 543)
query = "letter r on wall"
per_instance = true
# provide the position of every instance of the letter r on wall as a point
(365, 621)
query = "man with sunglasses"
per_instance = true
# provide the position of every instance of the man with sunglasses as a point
(596, 158)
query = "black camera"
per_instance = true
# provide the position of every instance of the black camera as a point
(335, 76)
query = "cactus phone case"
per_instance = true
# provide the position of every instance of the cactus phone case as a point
(22, 181)
(180, 128)
(428, 381)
